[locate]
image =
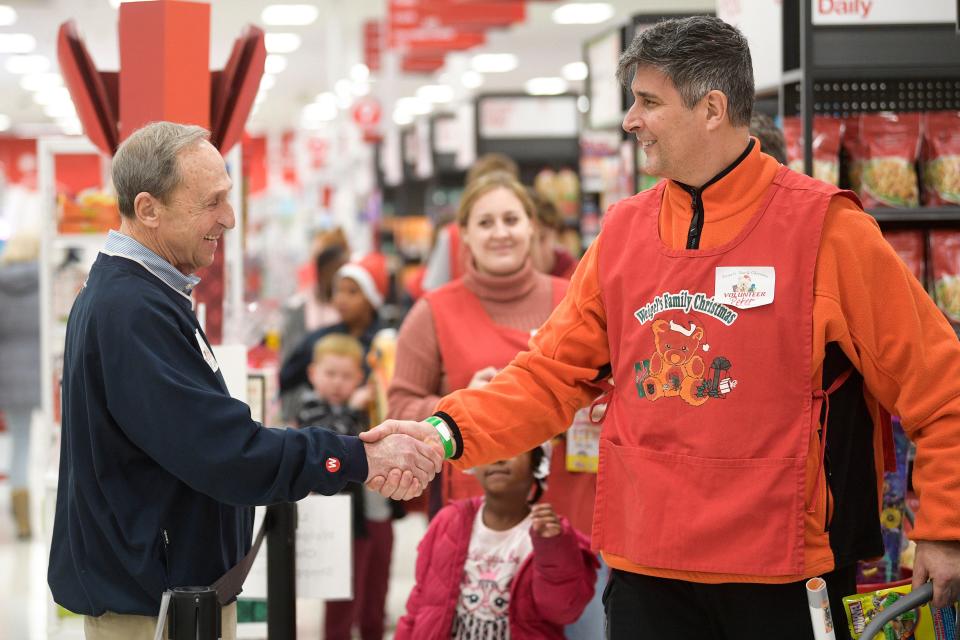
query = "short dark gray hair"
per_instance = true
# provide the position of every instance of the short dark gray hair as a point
(147, 161)
(699, 54)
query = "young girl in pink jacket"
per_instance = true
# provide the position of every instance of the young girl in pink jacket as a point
(500, 566)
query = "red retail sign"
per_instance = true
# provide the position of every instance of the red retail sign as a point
(411, 13)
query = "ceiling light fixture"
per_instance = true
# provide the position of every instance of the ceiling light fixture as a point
(359, 72)
(8, 15)
(294, 15)
(583, 13)
(59, 110)
(494, 62)
(17, 43)
(574, 71)
(267, 82)
(545, 86)
(414, 106)
(275, 63)
(40, 81)
(471, 80)
(402, 118)
(52, 95)
(4, 122)
(435, 93)
(281, 42)
(27, 64)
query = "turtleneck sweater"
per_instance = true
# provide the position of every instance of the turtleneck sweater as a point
(522, 300)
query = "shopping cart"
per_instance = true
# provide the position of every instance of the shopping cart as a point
(912, 600)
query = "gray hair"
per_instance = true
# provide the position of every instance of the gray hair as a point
(147, 161)
(699, 54)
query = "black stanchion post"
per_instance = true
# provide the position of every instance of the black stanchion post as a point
(281, 572)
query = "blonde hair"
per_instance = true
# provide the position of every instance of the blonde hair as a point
(22, 246)
(484, 185)
(338, 344)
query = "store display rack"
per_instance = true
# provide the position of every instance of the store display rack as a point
(844, 70)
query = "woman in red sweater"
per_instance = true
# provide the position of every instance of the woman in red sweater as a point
(461, 334)
(500, 566)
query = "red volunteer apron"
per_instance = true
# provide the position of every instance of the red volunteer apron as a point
(704, 446)
(469, 341)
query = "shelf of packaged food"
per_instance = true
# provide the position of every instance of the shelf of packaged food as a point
(921, 215)
(92, 241)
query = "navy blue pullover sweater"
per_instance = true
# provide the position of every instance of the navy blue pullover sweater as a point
(159, 466)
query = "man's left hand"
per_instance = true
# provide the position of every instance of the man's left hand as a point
(938, 561)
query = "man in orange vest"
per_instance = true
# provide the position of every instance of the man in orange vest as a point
(755, 324)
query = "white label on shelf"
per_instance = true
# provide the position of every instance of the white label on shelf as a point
(834, 12)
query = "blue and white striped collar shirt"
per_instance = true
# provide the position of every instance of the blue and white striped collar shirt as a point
(123, 246)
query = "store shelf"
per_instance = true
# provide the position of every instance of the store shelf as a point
(92, 241)
(922, 215)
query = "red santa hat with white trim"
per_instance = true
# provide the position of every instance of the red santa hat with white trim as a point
(370, 274)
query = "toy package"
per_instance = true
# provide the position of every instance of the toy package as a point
(920, 624)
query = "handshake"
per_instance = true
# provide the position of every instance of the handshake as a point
(403, 456)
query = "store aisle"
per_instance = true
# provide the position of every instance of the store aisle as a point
(24, 594)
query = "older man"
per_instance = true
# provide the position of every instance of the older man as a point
(159, 465)
(754, 322)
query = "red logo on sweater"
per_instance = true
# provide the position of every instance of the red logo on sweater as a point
(333, 465)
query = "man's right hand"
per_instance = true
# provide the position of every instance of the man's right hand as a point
(406, 463)
(388, 484)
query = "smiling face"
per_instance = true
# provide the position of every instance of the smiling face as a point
(498, 232)
(193, 219)
(671, 135)
(513, 477)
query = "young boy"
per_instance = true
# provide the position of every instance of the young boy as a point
(339, 402)
(523, 572)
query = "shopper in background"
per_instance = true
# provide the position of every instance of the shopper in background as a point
(730, 303)
(548, 255)
(20, 361)
(313, 308)
(522, 570)
(159, 466)
(359, 290)
(339, 400)
(769, 135)
(447, 260)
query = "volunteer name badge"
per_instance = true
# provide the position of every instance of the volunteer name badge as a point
(745, 287)
(207, 354)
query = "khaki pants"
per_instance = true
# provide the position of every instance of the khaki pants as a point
(115, 626)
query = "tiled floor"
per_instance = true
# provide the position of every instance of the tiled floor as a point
(26, 612)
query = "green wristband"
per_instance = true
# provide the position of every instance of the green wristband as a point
(445, 436)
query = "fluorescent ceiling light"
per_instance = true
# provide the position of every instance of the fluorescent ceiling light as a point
(40, 81)
(27, 64)
(359, 72)
(281, 42)
(327, 96)
(261, 96)
(17, 43)
(402, 118)
(8, 16)
(323, 110)
(494, 62)
(360, 88)
(436, 93)
(583, 104)
(267, 82)
(4, 122)
(58, 110)
(52, 95)
(343, 87)
(413, 106)
(297, 15)
(471, 79)
(574, 71)
(70, 126)
(545, 86)
(275, 63)
(583, 13)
